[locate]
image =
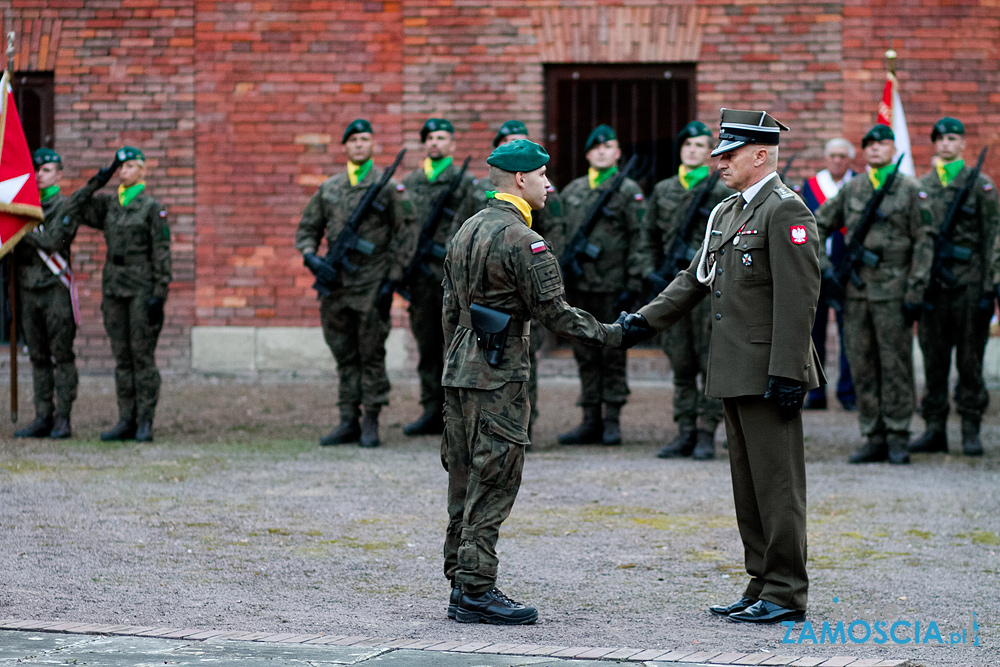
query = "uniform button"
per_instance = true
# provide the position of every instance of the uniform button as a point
(744, 246)
(722, 251)
(718, 316)
(717, 294)
(720, 271)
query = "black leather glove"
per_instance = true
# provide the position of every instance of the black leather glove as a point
(911, 312)
(383, 302)
(635, 329)
(984, 310)
(154, 310)
(319, 268)
(104, 174)
(787, 394)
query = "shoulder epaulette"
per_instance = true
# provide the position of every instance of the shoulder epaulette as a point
(784, 192)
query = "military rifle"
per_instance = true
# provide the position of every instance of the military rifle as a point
(580, 246)
(426, 247)
(681, 253)
(788, 165)
(348, 239)
(856, 253)
(941, 276)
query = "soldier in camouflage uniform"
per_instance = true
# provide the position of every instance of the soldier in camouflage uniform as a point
(425, 186)
(547, 223)
(354, 327)
(496, 261)
(46, 306)
(879, 316)
(609, 284)
(959, 315)
(134, 284)
(686, 343)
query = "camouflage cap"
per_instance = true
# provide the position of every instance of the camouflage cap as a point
(740, 127)
(433, 125)
(599, 135)
(356, 126)
(518, 155)
(129, 153)
(947, 125)
(877, 133)
(45, 156)
(509, 128)
(695, 128)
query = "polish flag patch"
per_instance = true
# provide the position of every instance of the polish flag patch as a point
(537, 247)
(798, 234)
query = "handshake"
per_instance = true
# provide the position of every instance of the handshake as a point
(635, 329)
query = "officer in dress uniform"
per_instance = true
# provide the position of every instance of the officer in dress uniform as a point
(44, 292)
(759, 266)
(499, 275)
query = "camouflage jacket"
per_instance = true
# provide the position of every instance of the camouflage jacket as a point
(666, 213)
(547, 222)
(975, 228)
(497, 261)
(424, 195)
(50, 236)
(392, 230)
(137, 238)
(902, 239)
(618, 235)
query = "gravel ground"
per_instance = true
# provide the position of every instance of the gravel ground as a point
(235, 519)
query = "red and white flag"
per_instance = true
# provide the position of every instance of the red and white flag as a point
(890, 112)
(20, 207)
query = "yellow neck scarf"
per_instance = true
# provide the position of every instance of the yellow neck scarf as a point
(521, 205)
(433, 168)
(126, 195)
(595, 177)
(949, 172)
(692, 177)
(357, 172)
(879, 176)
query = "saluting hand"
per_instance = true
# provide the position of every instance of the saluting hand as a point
(104, 174)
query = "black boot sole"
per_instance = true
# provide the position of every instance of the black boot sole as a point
(466, 616)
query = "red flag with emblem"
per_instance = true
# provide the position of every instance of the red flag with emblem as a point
(890, 112)
(20, 207)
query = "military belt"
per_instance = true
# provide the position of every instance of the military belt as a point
(126, 260)
(517, 327)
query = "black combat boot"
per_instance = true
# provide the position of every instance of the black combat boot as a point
(683, 444)
(612, 433)
(704, 448)
(934, 440)
(493, 607)
(971, 445)
(61, 428)
(144, 431)
(874, 450)
(454, 599)
(346, 432)
(589, 432)
(896, 443)
(431, 422)
(369, 429)
(123, 430)
(39, 428)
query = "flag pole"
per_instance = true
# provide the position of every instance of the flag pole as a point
(12, 276)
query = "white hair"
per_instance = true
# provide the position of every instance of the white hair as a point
(839, 142)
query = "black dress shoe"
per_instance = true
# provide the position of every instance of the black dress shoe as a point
(123, 430)
(765, 612)
(453, 600)
(494, 607)
(726, 610)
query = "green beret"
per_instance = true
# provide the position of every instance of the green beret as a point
(518, 155)
(433, 125)
(600, 134)
(127, 153)
(45, 156)
(356, 126)
(694, 129)
(509, 128)
(877, 133)
(947, 125)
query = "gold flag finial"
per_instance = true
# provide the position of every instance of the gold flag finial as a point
(890, 56)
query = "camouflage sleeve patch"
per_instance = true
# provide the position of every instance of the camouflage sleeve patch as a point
(547, 279)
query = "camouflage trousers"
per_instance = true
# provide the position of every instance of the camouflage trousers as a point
(880, 352)
(686, 345)
(49, 330)
(133, 344)
(483, 451)
(951, 326)
(426, 304)
(602, 369)
(357, 340)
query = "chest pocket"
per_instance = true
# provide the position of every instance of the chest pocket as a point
(751, 259)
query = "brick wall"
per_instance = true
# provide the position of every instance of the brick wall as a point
(239, 106)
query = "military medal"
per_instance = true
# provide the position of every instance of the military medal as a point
(747, 259)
